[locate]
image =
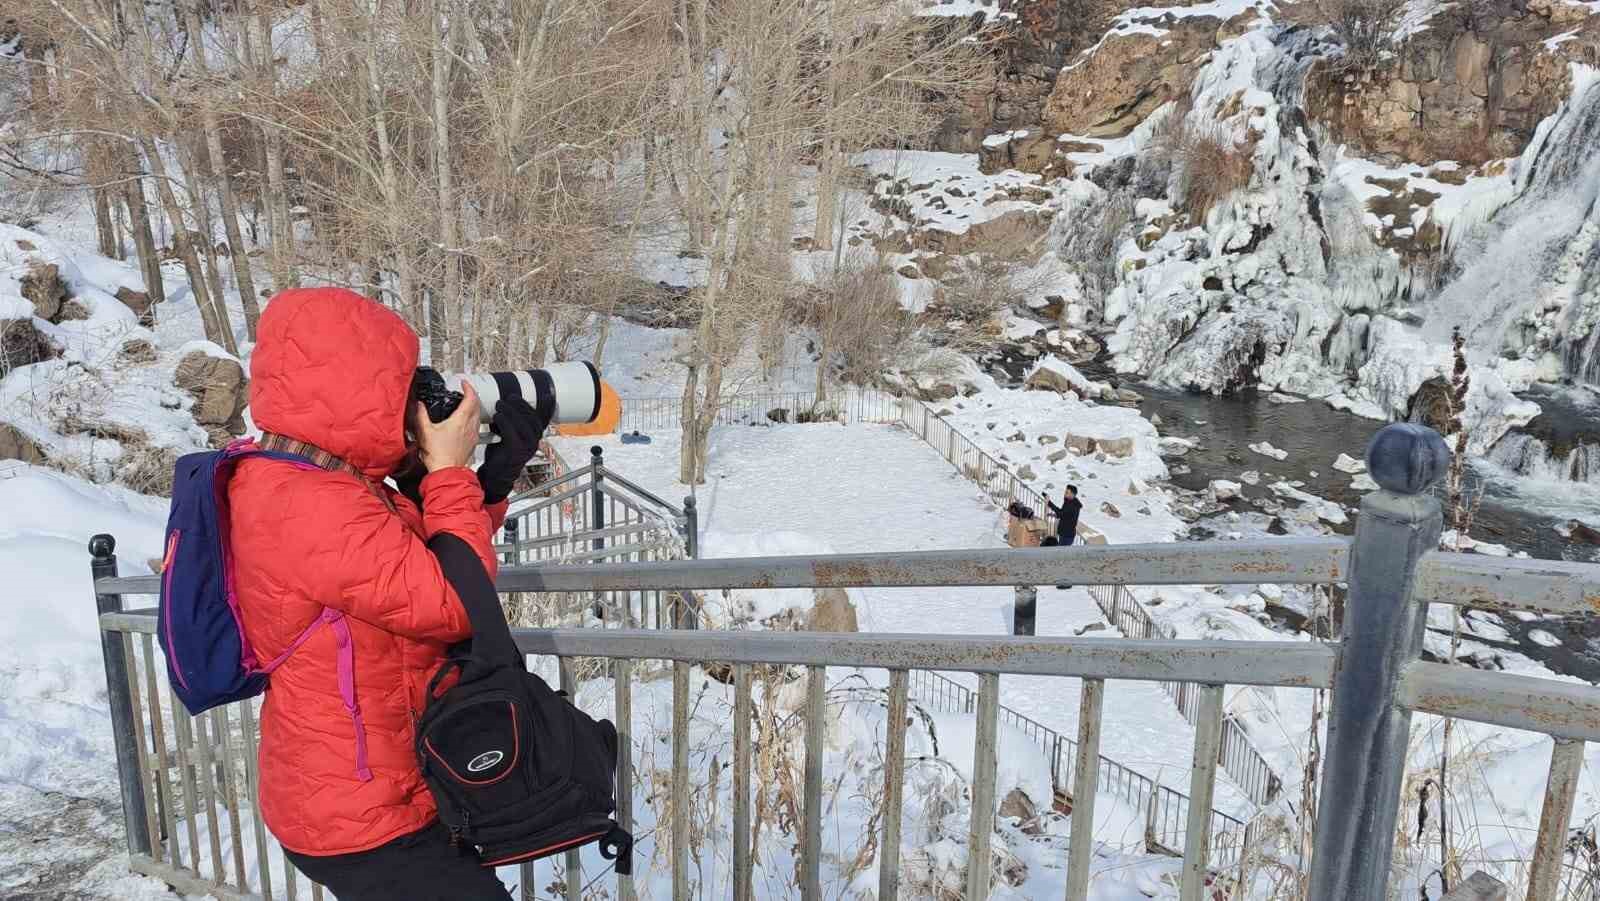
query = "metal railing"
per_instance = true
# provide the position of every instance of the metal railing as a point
(847, 403)
(181, 784)
(1240, 759)
(593, 515)
(1165, 810)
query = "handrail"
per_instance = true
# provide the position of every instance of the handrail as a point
(1374, 679)
(613, 479)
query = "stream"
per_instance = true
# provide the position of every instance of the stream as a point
(1520, 512)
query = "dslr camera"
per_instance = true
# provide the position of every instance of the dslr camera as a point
(565, 392)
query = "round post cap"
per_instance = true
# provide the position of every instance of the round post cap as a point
(1407, 458)
(102, 545)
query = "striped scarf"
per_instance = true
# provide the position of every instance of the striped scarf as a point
(323, 460)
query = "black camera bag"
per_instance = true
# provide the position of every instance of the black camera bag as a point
(518, 771)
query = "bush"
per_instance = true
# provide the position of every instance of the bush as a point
(1212, 166)
(1366, 29)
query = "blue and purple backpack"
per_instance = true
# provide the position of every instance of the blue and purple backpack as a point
(209, 658)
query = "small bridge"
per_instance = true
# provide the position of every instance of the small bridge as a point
(1375, 676)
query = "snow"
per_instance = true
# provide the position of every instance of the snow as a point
(1265, 449)
(1348, 464)
(790, 486)
(922, 179)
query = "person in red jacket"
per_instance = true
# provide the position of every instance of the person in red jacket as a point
(340, 785)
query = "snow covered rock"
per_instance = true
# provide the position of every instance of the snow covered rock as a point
(832, 612)
(21, 343)
(1363, 482)
(1121, 448)
(1265, 449)
(1224, 490)
(139, 303)
(1349, 464)
(1250, 477)
(14, 445)
(42, 286)
(218, 385)
(1052, 373)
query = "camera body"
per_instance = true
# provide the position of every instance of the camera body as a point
(570, 392)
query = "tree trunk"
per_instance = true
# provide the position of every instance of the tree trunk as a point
(407, 300)
(687, 455)
(219, 172)
(276, 199)
(214, 328)
(105, 232)
(600, 341)
(144, 242)
(444, 29)
(827, 194)
(541, 334)
(207, 240)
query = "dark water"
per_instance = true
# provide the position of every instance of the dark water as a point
(1518, 512)
(1522, 514)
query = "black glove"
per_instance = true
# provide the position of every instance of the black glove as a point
(520, 428)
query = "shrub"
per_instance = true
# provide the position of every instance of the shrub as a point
(1212, 165)
(1366, 29)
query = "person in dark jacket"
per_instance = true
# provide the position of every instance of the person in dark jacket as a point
(1067, 519)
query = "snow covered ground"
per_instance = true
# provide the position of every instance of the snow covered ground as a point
(828, 488)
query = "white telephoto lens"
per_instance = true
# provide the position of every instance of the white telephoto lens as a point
(573, 388)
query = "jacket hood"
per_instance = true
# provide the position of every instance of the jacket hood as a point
(333, 368)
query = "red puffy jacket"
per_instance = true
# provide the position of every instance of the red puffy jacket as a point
(334, 369)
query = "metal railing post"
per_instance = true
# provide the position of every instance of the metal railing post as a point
(1368, 731)
(685, 616)
(1024, 610)
(103, 565)
(597, 496)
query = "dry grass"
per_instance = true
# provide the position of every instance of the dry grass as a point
(1213, 165)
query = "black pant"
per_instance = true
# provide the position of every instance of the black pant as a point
(421, 866)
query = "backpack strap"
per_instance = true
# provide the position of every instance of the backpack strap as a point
(274, 443)
(276, 447)
(491, 634)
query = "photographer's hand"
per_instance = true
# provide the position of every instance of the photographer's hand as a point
(442, 445)
(520, 428)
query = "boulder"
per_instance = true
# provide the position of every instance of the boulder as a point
(832, 612)
(22, 345)
(16, 446)
(1026, 473)
(1128, 76)
(1224, 490)
(72, 310)
(219, 388)
(1018, 806)
(1129, 396)
(139, 303)
(42, 286)
(1079, 444)
(1116, 447)
(1110, 510)
(1581, 531)
(138, 350)
(1057, 456)
(1046, 378)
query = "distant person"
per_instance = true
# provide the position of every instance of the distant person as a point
(1067, 519)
